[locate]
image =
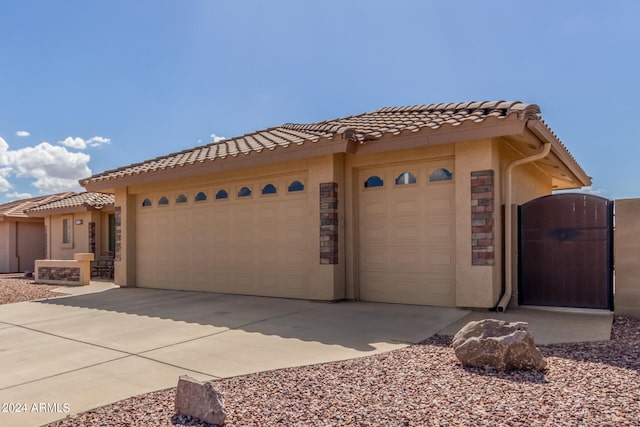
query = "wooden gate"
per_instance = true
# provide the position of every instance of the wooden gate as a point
(565, 253)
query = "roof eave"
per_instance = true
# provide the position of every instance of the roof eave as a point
(308, 149)
(545, 135)
(69, 210)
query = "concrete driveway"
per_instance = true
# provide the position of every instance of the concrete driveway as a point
(70, 354)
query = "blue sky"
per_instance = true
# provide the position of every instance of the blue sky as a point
(87, 86)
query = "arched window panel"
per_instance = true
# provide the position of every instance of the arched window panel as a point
(222, 194)
(405, 178)
(373, 181)
(296, 186)
(146, 202)
(181, 199)
(163, 201)
(201, 196)
(269, 189)
(244, 192)
(441, 174)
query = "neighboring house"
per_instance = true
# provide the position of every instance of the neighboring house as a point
(22, 239)
(399, 205)
(77, 223)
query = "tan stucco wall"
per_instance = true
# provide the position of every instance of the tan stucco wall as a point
(80, 243)
(476, 285)
(626, 254)
(57, 250)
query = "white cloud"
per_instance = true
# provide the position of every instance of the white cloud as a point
(81, 144)
(54, 168)
(590, 190)
(217, 138)
(76, 142)
(22, 133)
(585, 190)
(98, 140)
(5, 185)
(18, 196)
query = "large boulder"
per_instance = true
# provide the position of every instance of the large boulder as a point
(496, 344)
(199, 400)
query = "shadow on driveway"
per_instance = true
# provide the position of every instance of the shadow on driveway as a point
(356, 325)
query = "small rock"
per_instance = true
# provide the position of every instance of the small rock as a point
(496, 344)
(199, 400)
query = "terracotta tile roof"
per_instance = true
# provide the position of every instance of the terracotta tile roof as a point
(82, 200)
(16, 208)
(359, 128)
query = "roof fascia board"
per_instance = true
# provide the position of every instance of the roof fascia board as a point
(444, 136)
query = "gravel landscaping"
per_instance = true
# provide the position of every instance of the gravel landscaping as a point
(585, 384)
(16, 288)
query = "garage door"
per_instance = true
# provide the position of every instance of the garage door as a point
(243, 238)
(406, 234)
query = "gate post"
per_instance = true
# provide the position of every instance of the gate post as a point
(626, 245)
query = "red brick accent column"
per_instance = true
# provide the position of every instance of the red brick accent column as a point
(482, 218)
(329, 223)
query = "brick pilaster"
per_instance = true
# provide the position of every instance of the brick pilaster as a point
(482, 218)
(92, 237)
(329, 223)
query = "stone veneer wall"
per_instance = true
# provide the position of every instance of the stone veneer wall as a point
(329, 223)
(118, 232)
(92, 237)
(69, 274)
(482, 218)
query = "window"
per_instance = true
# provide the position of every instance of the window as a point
(373, 181)
(222, 195)
(441, 174)
(146, 203)
(269, 189)
(405, 178)
(201, 197)
(296, 186)
(163, 201)
(67, 231)
(181, 199)
(244, 192)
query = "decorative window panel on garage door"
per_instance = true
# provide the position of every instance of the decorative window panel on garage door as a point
(406, 235)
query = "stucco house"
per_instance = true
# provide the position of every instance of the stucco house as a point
(76, 223)
(400, 205)
(21, 237)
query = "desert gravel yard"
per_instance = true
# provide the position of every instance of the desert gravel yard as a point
(14, 288)
(590, 384)
(586, 384)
